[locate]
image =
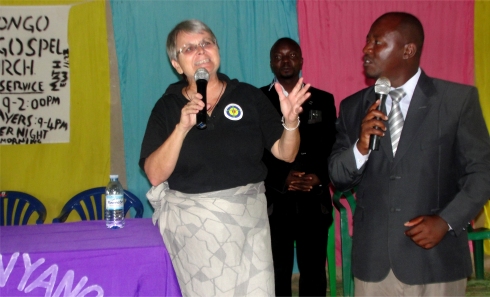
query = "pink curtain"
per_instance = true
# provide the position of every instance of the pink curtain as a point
(332, 35)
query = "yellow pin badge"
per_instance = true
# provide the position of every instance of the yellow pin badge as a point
(233, 112)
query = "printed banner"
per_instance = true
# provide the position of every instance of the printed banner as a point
(35, 75)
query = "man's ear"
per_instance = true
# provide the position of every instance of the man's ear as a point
(177, 67)
(410, 50)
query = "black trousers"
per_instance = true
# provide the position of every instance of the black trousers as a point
(304, 218)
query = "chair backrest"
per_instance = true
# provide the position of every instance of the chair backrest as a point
(345, 237)
(90, 205)
(16, 208)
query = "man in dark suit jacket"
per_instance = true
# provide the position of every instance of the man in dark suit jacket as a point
(413, 205)
(298, 196)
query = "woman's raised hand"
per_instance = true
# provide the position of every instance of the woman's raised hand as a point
(291, 105)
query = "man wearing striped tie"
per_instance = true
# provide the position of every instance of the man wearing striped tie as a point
(428, 179)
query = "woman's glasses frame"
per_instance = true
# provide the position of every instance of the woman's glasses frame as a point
(191, 48)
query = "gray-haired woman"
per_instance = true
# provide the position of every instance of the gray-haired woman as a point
(208, 191)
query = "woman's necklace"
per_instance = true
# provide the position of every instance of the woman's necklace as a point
(217, 100)
(210, 110)
(188, 97)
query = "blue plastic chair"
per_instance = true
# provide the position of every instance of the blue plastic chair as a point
(90, 205)
(16, 208)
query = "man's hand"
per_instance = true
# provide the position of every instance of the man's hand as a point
(368, 125)
(426, 231)
(299, 181)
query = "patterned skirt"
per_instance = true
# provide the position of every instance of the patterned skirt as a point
(219, 242)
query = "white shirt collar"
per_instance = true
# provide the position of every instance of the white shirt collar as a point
(272, 85)
(409, 88)
(283, 90)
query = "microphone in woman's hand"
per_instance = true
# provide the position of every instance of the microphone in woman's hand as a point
(201, 77)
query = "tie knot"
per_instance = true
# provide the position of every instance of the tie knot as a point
(397, 94)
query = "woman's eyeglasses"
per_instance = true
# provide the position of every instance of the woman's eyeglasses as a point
(190, 49)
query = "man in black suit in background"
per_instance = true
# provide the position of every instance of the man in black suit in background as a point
(298, 196)
(417, 193)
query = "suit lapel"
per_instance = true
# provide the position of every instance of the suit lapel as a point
(419, 107)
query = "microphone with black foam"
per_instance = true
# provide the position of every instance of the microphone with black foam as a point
(201, 77)
(382, 89)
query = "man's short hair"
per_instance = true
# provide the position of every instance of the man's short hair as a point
(409, 27)
(284, 39)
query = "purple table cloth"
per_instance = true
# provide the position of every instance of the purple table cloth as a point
(85, 259)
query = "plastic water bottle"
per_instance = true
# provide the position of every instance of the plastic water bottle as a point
(114, 204)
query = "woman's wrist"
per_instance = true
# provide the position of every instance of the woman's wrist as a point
(291, 127)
